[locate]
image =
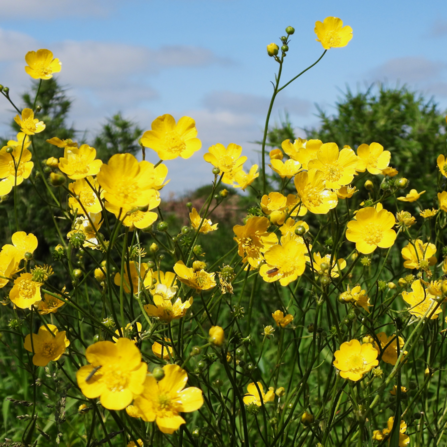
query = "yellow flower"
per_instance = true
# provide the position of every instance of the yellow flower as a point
(156, 175)
(226, 160)
(49, 305)
(165, 310)
(163, 401)
(276, 154)
(199, 280)
(280, 319)
(404, 439)
(268, 331)
(28, 124)
(418, 255)
(312, 192)
(167, 279)
(442, 165)
(426, 214)
(242, 179)
(127, 332)
(275, 201)
(346, 192)
(393, 392)
(136, 218)
(207, 225)
(390, 172)
(217, 335)
(287, 169)
(84, 196)
(272, 49)
(257, 396)
(55, 141)
(89, 226)
(337, 264)
(332, 34)
(253, 240)
(172, 140)
(356, 296)
(80, 162)
(21, 243)
(8, 266)
(421, 302)
(338, 167)
(126, 181)
(372, 158)
(354, 360)
(390, 354)
(11, 170)
(412, 196)
(115, 374)
(134, 277)
(164, 351)
(405, 219)
(47, 345)
(302, 151)
(371, 229)
(25, 291)
(289, 227)
(41, 64)
(442, 198)
(139, 442)
(284, 262)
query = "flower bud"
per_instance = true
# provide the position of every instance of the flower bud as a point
(158, 374)
(217, 335)
(28, 256)
(223, 193)
(198, 265)
(402, 182)
(198, 250)
(6, 90)
(99, 274)
(56, 179)
(285, 48)
(189, 205)
(369, 185)
(307, 418)
(162, 226)
(290, 30)
(195, 351)
(52, 162)
(280, 392)
(9, 150)
(324, 266)
(300, 230)
(272, 49)
(391, 285)
(153, 248)
(77, 273)
(216, 171)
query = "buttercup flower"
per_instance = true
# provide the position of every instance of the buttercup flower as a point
(338, 167)
(276, 154)
(422, 303)
(405, 219)
(80, 162)
(390, 355)
(132, 444)
(253, 240)
(167, 279)
(89, 226)
(426, 214)
(372, 158)
(442, 165)
(55, 141)
(21, 243)
(115, 373)
(49, 304)
(41, 64)
(346, 192)
(170, 140)
(287, 169)
(25, 291)
(156, 175)
(280, 319)
(85, 198)
(28, 124)
(217, 335)
(371, 229)
(275, 201)
(418, 255)
(7, 266)
(126, 182)
(412, 196)
(356, 296)
(302, 150)
(311, 190)
(404, 439)
(332, 34)
(197, 279)
(284, 262)
(163, 351)
(243, 180)
(226, 160)
(390, 172)
(257, 396)
(337, 264)
(163, 401)
(289, 227)
(48, 345)
(165, 310)
(127, 332)
(207, 225)
(134, 277)
(403, 390)
(442, 198)
(353, 360)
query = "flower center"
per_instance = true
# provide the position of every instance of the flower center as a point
(115, 379)
(127, 192)
(356, 363)
(372, 161)
(201, 278)
(174, 143)
(48, 350)
(167, 406)
(312, 196)
(226, 162)
(12, 169)
(27, 289)
(78, 165)
(333, 172)
(333, 38)
(87, 198)
(373, 234)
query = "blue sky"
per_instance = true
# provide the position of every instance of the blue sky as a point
(207, 59)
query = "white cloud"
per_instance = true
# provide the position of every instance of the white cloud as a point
(254, 104)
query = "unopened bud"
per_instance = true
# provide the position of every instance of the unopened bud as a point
(52, 162)
(56, 179)
(158, 374)
(272, 49)
(369, 185)
(290, 30)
